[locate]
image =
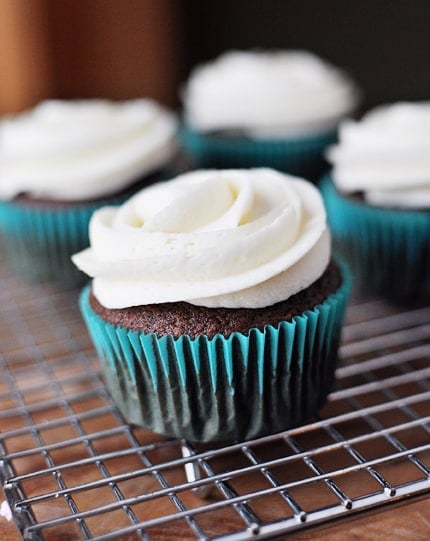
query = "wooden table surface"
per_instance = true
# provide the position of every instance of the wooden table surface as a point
(407, 522)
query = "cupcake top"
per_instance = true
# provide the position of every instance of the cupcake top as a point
(77, 150)
(215, 238)
(268, 94)
(386, 156)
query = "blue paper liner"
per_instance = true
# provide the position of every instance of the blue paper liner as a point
(388, 249)
(225, 388)
(40, 238)
(301, 156)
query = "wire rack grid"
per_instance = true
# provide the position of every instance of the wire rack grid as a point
(72, 468)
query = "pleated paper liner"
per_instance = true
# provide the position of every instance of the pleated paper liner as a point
(223, 389)
(39, 239)
(388, 249)
(301, 156)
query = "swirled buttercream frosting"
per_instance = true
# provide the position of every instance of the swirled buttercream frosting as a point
(216, 238)
(268, 94)
(75, 150)
(386, 156)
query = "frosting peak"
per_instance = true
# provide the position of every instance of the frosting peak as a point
(386, 155)
(268, 94)
(74, 150)
(231, 238)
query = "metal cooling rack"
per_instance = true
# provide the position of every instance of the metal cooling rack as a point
(71, 468)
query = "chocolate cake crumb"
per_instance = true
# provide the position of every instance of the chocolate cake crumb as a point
(178, 318)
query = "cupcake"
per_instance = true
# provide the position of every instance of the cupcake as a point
(378, 200)
(215, 306)
(62, 160)
(275, 109)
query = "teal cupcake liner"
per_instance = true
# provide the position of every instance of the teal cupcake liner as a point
(224, 388)
(38, 240)
(388, 249)
(301, 156)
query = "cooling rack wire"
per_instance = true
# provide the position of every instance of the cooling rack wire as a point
(72, 469)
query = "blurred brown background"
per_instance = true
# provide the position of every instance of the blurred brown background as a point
(126, 48)
(89, 48)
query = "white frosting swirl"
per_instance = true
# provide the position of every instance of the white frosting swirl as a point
(74, 150)
(228, 238)
(386, 156)
(268, 94)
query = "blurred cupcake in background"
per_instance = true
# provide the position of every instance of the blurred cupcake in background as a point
(62, 160)
(278, 109)
(378, 200)
(215, 307)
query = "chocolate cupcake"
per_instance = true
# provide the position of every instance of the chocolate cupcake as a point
(277, 109)
(215, 309)
(62, 160)
(378, 201)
